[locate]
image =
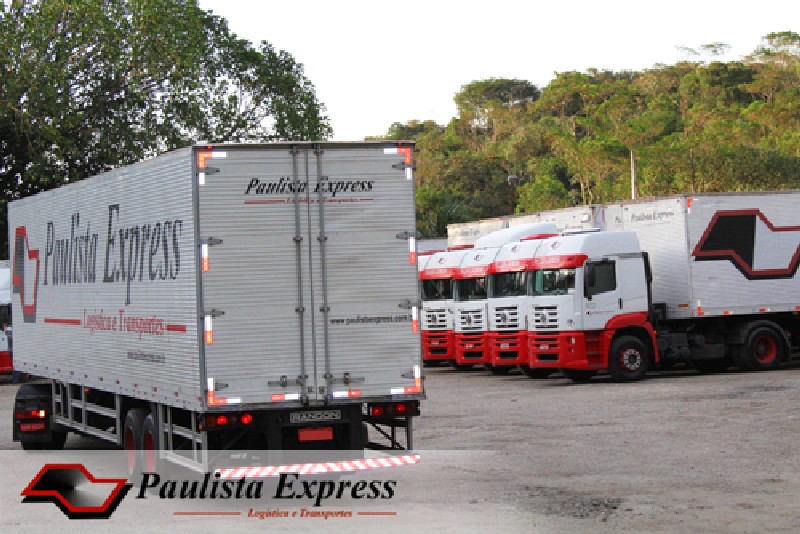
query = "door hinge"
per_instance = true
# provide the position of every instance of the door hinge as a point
(408, 304)
(408, 235)
(213, 313)
(211, 241)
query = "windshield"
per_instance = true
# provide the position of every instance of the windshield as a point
(507, 284)
(470, 289)
(552, 282)
(441, 289)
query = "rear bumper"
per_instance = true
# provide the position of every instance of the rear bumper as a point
(508, 348)
(438, 345)
(472, 348)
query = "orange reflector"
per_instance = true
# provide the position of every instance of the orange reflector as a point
(204, 254)
(201, 159)
(323, 433)
(415, 326)
(209, 330)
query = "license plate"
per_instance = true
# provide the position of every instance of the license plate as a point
(544, 347)
(470, 346)
(434, 343)
(317, 415)
(505, 346)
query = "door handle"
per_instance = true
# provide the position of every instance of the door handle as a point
(620, 304)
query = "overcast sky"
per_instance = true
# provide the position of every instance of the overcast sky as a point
(377, 62)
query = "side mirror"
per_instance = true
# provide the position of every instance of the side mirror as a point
(588, 280)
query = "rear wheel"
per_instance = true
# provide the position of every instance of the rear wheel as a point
(132, 440)
(763, 351)
(537, 374)
(150, 460)
(628, 359)
(578, 376)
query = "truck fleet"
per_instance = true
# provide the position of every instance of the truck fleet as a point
(222, 299)
(704, 280)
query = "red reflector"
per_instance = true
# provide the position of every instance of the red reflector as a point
(322, 433)
(377, 411)
(31, 414)
(247, 419)
(32, 427)
(400, 408)
(222, 420)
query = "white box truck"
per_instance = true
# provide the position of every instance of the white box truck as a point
(707, 279)
(258, 296)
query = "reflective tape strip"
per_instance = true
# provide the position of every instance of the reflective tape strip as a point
(346, 394)
(285, 397)
(318, 468)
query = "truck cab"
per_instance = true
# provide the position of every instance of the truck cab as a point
(436, 283)
(588, 309)
(471, 308)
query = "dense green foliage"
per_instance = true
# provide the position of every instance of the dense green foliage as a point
(693, 127)
(88, 86)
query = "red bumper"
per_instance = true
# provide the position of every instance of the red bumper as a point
(472, 348)
(438, 346)
(6, 365)
(567, 350)
(508, 348)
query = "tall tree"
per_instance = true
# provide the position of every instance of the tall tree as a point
(88, 86)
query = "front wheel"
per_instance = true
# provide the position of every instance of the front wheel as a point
(628, 359)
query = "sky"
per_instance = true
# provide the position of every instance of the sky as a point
(375, 62)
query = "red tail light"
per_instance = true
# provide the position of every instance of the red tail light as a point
(31, 414)
(246, 419)
(222, 420)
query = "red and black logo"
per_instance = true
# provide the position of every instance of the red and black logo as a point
(22, 255)
(732, 235)
(76, 491)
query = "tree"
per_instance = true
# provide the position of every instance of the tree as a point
(92, 85)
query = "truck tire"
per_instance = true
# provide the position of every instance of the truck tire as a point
(628, 359)
(578, 376)
(536, 374)
(132, 440)
(150, 445)
(763, 351)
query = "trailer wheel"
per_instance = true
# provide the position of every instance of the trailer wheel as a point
(628, 359)
(132, 440)
(536, 374)
(150, 460)
(763, 351)
(578, 376)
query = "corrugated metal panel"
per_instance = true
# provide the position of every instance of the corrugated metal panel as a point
(766, 242)
(263, 345)
(661, 228)
(115, 304)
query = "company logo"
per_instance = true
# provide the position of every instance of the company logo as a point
(751, 243)
(555, 244)
(26, 288)
(76, 492)
(515, 248)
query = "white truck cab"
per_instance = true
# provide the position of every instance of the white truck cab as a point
(583, 288)
(436, 282)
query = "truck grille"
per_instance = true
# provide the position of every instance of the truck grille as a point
(472, 320)
(435, 319)
(545, 318)
(507, 318)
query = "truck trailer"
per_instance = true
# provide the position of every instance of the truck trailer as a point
(224, 297)
(708, 280)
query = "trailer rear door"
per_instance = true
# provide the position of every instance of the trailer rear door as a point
(307, 276)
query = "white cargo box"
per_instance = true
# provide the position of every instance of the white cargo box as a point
(719, 254)
(225, 275)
